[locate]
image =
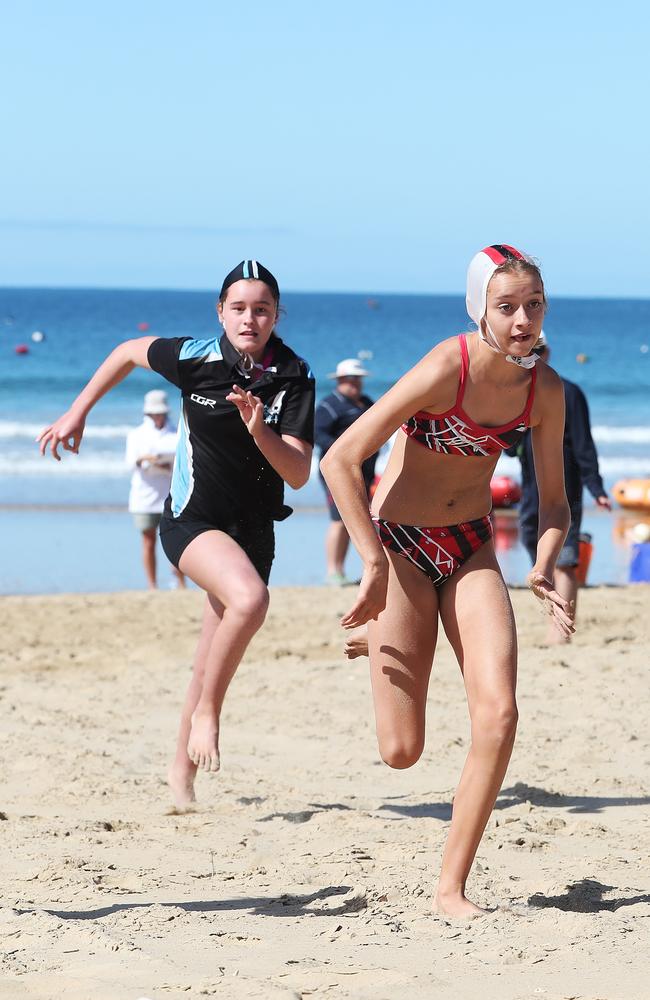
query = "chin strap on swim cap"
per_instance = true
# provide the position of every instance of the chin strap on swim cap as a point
(481, 268)
(528, 362)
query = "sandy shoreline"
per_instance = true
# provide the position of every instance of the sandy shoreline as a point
(308, 867)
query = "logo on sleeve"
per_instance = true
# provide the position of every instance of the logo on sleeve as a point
(202, 400)
(273, 408)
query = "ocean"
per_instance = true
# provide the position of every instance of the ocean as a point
(66, 522)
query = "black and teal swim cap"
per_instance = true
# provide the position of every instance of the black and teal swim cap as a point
(250, 269)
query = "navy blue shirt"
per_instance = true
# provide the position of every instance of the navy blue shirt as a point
(580, 458)
(334, 414)
(220, 475)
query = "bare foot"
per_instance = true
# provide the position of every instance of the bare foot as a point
(356, 643)
(203, 744)
(456, 905)
(181, 785)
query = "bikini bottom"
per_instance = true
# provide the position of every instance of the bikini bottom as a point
(438, 552)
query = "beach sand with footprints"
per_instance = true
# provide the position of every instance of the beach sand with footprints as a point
(308, 867)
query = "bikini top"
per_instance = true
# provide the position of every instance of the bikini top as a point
(455, 433)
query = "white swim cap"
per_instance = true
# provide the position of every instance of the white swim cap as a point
(481, 268)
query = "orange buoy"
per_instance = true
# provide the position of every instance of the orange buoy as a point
(143, 327)
(633, 493)
(21, 349)
(505, 491)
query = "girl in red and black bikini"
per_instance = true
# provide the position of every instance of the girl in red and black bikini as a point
(426, 544)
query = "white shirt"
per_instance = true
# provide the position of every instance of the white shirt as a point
(149, 486)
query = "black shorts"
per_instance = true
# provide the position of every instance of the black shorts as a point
(255, 537)
(570, 552)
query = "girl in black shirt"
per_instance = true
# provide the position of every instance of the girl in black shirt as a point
(246, 428)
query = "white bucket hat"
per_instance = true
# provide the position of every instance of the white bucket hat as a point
(155, 402)
(347, 367)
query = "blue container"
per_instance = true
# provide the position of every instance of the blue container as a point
(640, 564)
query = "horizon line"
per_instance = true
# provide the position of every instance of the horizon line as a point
(370, 294)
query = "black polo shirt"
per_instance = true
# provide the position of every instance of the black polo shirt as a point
(220, 475)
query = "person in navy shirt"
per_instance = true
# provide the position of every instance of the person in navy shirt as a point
(334, 414)
(246, 428)
(580, 470)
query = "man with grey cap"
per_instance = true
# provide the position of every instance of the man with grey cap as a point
(334, 414)
(150, 450)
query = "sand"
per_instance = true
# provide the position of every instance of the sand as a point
(308, 866)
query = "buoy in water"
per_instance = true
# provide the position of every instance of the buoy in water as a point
(582, 358)
(505, 491)
(143, 327)
(632, 493)
(38, 336)
(21, 349)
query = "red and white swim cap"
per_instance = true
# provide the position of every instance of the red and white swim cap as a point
(481, 268)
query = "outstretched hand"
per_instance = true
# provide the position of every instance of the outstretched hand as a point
(67, 432)
(371, 598)
(251, 408)
(561, 611)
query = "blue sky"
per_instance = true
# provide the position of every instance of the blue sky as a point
(369, 146)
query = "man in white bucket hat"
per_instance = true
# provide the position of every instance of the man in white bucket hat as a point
(150, 450)
(334, 414)
(349, 368)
